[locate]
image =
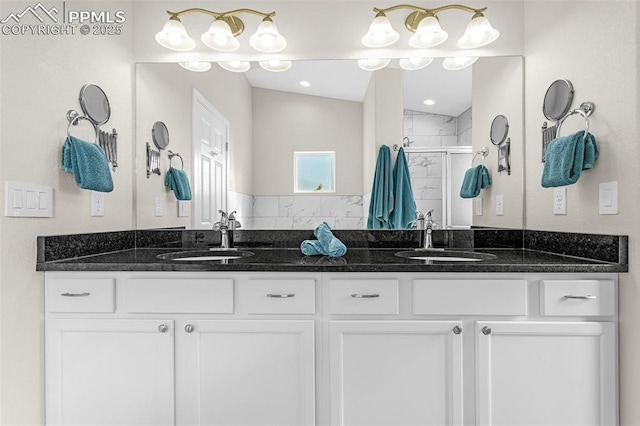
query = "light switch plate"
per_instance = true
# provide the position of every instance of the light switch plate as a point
(608, 198)
(499, 205)
(184, 208)
(159, 207)
(27, 200)
(560, 200)
(479, 206)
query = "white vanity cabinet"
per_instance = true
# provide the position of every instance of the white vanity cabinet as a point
(330, 349)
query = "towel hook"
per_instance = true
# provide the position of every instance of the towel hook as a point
(484, 151)
(172, 154)
(585, 110)
(74, 118)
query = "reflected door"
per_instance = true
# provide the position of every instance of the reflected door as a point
(210, 146)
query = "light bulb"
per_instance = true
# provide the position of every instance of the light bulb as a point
(174, 36)
(428, 34)
(478, 33)
(380, 33)
(219, 37)
(267, 38)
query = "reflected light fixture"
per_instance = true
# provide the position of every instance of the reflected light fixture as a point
(222, 32)
(235, 66)
(197, 66)
(458, 62)
(413, 64)
(425, 25)
(275, 65)
(373, 64)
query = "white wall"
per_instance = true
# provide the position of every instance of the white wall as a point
(287, 122)
(164, 93)
(41, 80)
(498, 89)
(602, 64)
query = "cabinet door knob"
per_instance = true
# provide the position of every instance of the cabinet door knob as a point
(365, 296)
(163, 328)
(457, 329)
(189, 328)
(281, 296)
(486, 330)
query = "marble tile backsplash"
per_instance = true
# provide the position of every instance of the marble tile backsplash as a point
(308, 211)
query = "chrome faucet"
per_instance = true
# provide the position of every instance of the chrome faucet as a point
(226, 225)
(425, 223)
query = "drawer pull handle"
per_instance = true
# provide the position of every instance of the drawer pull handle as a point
(365, 296)
(457, 329)
(281, 296)
(75, 294)
(588, 296)
(163, 328)
(486, 330)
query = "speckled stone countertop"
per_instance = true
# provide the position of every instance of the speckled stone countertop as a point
(369, 251)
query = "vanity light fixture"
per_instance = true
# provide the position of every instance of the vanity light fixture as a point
(196, 66)
(373, 64)
(413, 64)
(222, 33)
(235, 66)
(458, 62)
(426, 27)
(275, 65)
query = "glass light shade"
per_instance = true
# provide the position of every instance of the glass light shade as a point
(458, 62)
(373, 64)
(428, 34)
(219, 37)
(197, 66)
(275, 65)
(267, 38)
(174, 36)
(412, 64)
(235, 66)
(479, 33)
(380, 33)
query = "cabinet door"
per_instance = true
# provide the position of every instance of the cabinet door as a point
(247, 373)
(109, 372)
(546, 373)
(396, 373)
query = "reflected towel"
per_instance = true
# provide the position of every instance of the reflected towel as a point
(475, 179)
(177, 181)
(404, 208)
(88, 163)
(326, 244)
(564, 160)
(381, 204)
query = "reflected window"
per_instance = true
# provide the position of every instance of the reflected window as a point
(314, 171)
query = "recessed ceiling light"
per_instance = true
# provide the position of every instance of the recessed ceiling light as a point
(305, 83)
(429, 102)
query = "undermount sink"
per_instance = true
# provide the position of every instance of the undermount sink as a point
(443, 255)
(206, 255)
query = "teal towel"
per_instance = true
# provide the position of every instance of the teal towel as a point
(381, 204)
(88, 163)
(591, 151)
(404, 208)
(475, 179)
(564, 160)
(326, 244)
(177, 181)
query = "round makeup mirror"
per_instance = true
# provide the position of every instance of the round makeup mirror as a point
(95, 104)
(499, 129)
(557, 100)
(160, 135)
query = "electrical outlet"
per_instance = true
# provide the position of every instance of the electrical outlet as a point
(499, 205)
(184, 208)
(159, 207)
(560, 200)
(479, 206)
(97, 204)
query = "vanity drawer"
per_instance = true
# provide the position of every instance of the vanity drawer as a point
(179, 295)
(86, 295)
(281, 296)
(470, 297)
(577, 297)
(364, 297)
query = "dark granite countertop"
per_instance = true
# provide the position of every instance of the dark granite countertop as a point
(356, 260)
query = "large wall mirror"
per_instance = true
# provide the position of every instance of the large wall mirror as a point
(440, 117)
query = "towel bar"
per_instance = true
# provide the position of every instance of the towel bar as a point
(73, 117)
(585, 110)
(484, 151)
(172, 154)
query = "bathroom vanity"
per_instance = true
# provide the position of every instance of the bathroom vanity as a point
(529, 337)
